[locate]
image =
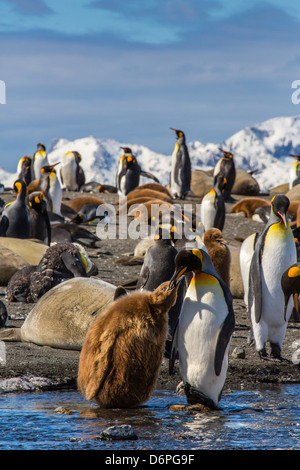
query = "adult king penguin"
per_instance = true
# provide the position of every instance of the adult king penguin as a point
(204, 330)
(24, 169)
(129, 172)
(71, 173)
(212, 210)
(40, 159)
(274, 252)
(295, 172)
(15, 220)
(226, 166)
(181, 167)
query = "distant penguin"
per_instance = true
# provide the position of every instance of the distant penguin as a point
(69, 232)
(275, 251)
(123, 350)
(212, 210)
(24, 169)
(295, 172)
(219, 253)
(39, 218)
(158, 267)
(71, 173)
(15, 221)
(107, 188)
(204, 330)
(129, 172)
(290, 284)
(40, 159)
(181, 167)
(226, 166)
(51, 188)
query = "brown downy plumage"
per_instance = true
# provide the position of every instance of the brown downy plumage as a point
(123, 349)
(219, 253)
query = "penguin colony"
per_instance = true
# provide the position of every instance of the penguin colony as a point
(182, 306)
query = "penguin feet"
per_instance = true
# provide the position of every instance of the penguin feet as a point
(275, 353)
(194, 397)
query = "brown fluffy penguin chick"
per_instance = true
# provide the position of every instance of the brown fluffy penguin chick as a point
(123, 350)
(219, 253)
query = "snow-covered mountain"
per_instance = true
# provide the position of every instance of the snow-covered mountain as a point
(264, 147)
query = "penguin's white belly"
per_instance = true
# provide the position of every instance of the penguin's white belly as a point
(207, 211)
(55, 194)
(175, 187)
(203, 312)
(68, 171)
(246, 253)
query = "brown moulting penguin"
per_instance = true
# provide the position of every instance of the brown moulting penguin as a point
(290, 284)
(40, 159)
(129, 173)
(274, 252)
(60, 262)
(15, 221)
(205, 327)
(71, 173)
(181, 167)
(39, 218)
(123, 350)
(219, 252)
(226, 166)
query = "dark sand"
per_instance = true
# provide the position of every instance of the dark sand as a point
(60, 367)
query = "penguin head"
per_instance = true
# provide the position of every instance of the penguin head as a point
(41, 147)
(295, 156)
(179, 133)
(279, 206)
(226, 154)
(163, 297)
(19, 186)
(126, 150)
(49, 168)
(185, 261)
(37, 201)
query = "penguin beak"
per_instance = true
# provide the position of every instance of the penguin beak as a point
(295, 156)
(283, 217)
(177, 277)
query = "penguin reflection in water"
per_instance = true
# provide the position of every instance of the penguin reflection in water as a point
(204, 330)
(122, 353)
(274, 253)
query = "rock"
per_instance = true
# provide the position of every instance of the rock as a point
(122, 432)
(239, 353)
(63, 411)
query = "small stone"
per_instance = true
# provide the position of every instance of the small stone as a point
(63, 411)
(198, 407)
(239, 353)
(119, 433)
(177, 408)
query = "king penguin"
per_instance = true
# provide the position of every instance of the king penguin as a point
(226, 166)
(181, 167)
(274, 252)
(290, 284)
(24, 169)
(71, 173)
(40, 159)
(129, 172)
(204, 330)
(15, 221)
(212, 210)
(295, 172)
(50, 186)
(39, 218)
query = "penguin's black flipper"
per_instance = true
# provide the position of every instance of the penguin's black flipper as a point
(226, 330)
(255, 286)
(149, 175)
(143, 277)
(4, 226)
(73, 264)
(174, 350)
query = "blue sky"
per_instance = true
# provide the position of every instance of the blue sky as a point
(130, 70)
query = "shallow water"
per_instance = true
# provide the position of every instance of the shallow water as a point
(262, 419)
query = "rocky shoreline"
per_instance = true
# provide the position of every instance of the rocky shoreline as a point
(26, 366)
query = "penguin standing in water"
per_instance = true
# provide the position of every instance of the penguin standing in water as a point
(204, 330)
(181, 167)
(129, 172)
(71, 173)
(15, 221)
(295, 172)
(40, 159)
(39, 218)
(212, 211)
(274, 252)
(226, 166)
(24, 169)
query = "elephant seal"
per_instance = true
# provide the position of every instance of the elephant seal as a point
(30, 251)
(62, 316)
